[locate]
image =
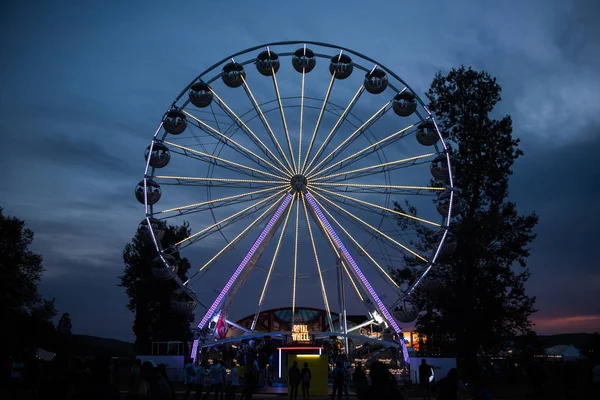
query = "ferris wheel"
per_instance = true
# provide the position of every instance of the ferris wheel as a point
(297, 163)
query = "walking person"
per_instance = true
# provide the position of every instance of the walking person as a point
(306, 376)
(294, 380)
(425, 372)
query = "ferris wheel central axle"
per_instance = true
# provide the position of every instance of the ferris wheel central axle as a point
(299, 183)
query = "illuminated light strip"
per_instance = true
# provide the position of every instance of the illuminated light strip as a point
(237, 196)
(337, 124)
(337, 254)
(248, 130)
(373, 228)
(314, 247)
(285, 127)
(228, 139)
(366, 185)
(301, 119)
(234, 240)
(194, 353)
(246, 260)
(357, 244)
(264, 119)
(379, 207)
(314, 135)
(352, 263)
(295, 264)
(223, 160)
(360, 128)
(374, 166)
(365, 149)
(192, 178)
(230, 217)
(264, 291)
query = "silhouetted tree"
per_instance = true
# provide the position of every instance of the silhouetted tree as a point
(482, 299)
(64, 324)
(26, 316)
(149, 297)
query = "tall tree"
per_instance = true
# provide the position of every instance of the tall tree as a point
(149, 297)
(482, 298)
(23, 308)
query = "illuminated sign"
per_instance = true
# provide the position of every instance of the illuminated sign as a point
(300, 333)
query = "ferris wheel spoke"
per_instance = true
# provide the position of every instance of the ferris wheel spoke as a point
(366, 203)
(272, 266)
(374, 169)
(259, 143)
(212, 159)
(234, 241)
(360, 248)
(295, 262)
(319, 119)
(325, 233)
(283, 120)
(265, 122)
(236, 146)
(348, 141)
(226, 201)
(301, 120)
(351, 159)
(381, 189)
(217, 182)
(374, 229)
(314, 248)
(348, 257)
(337, 125)
(192, 238)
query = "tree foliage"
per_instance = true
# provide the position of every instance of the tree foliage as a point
(64, 324)
(26, 314)
(149, 297)
(482, 298)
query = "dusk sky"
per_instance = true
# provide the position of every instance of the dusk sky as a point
(83, 86)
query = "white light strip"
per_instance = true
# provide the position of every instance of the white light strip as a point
(314, 135)
(404, 160)
(258, 171)
(314, 248)
(227, 139)
(371, 146)
(248, 130)
(372, 227)
(378, 207)
(341, 119)
(357, 131)
(228, 218)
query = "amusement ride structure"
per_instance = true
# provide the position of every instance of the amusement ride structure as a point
(291, 156)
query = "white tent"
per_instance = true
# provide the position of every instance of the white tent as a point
(568, 352)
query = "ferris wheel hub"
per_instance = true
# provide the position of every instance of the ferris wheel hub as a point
(298, 183)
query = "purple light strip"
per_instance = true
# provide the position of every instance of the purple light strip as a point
(348, 257)
(246, 260)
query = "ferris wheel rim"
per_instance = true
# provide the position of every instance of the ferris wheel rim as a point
(149, 207)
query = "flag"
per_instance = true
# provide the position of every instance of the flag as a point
(221, 329)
